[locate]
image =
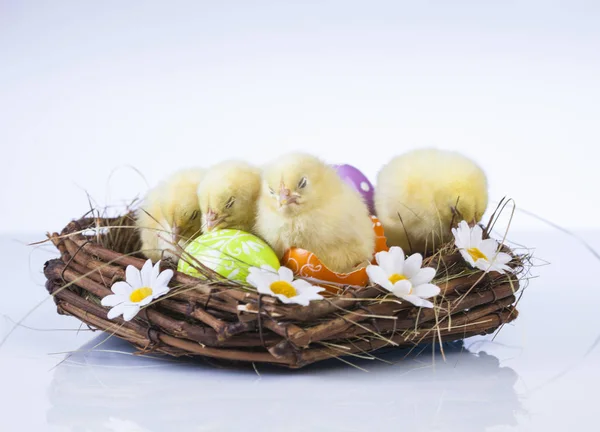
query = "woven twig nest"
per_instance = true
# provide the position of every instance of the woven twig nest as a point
(222, 320)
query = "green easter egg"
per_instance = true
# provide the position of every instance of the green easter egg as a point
(228, 252)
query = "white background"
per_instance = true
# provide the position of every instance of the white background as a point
(93, 88)
(90, 90)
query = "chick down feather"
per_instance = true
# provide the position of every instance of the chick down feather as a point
(228, 196)
(422, 194)
(170, 214)
(305, 204)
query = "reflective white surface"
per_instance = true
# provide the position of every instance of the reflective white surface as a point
(538, 374)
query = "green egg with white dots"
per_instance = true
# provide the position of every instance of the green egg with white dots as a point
(228, 252)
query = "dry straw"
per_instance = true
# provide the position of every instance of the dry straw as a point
(223, 320)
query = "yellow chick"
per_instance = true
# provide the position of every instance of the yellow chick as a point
(228, 196)
(170, 214)
(304, 203)
(422, 194)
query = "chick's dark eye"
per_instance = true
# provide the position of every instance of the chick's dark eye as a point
(302, 183)
(271, 191)
(194, 215)
(230, 202)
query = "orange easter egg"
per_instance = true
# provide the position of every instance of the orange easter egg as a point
(306, 264)
(380, 240)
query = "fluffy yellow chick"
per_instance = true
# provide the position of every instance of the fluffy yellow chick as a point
(419, 194)
(304, 203)
(170, 213)
(228, 196)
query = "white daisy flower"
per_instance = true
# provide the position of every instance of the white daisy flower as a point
(404, 277)
(479, 253)
(139, 288)
(281, 284)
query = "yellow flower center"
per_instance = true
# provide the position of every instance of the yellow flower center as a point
(396, 277)
(283, 288)
(140, 294)
(476, 254)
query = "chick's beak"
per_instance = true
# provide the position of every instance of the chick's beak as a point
(286, 197)
(212, 220)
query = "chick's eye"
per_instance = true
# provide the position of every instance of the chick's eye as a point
(271, 191)
(302, 183)
(194, 215)
(230, 202)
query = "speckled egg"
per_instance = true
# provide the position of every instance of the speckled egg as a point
(355, 178)
(228, 252)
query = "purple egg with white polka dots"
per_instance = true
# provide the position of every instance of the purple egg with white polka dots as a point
(355, 178)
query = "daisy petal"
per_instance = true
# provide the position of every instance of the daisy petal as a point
(457, 238)
(462, 234)
(398, 259)
(317, 289)
(482, 264)
(133, 277)
(112, 300)
(425, 275)
(489, 247)
(264, 289)
(426, 290)
(256, 278)
(146, 273)
(385, 260)
(301, 300)
(160, 291)
(163, 278)
(255, 270)
(402, 288)
(418, 301)
(146, 301)
(313, 296)
(412, 265)
(261, 278)
(154, 273)
(130, 311)
(502, 269)
(466, 234)
(284, 299)
(312, 293)
(116, 311)
(476, 235)
(378, 276)
(121, 288)
(302, 285)
(286, 274)
(502, 258)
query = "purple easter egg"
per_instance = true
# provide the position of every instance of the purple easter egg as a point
(355, 178)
